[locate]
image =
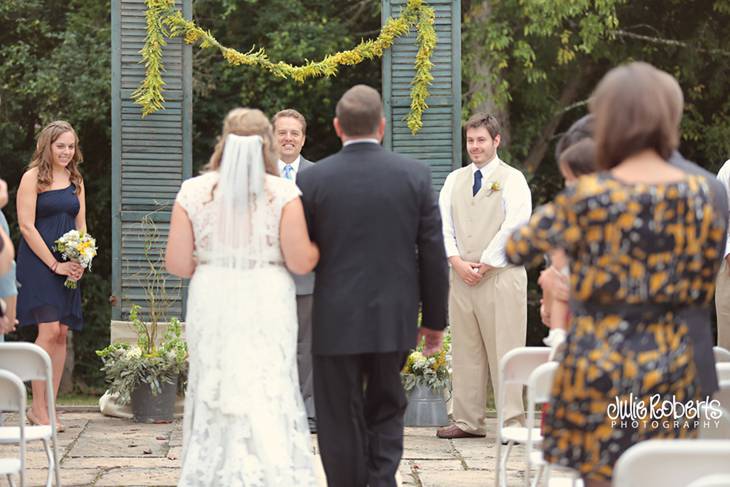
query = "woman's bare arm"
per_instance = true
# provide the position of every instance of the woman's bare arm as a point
(180, 244)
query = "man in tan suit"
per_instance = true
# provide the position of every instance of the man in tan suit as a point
(481, 205)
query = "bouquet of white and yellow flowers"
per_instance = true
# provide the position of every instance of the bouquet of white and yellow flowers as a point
(77, 246)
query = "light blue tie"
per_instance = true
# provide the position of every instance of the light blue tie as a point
(288, 172)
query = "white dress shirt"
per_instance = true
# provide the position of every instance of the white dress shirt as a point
(724, 177)
(358, 141)
(516, 202)
(294, 165)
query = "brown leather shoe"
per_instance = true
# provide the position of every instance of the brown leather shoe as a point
(452, 431)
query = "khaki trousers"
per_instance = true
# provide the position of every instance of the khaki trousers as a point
(487, 321)
(722, 306)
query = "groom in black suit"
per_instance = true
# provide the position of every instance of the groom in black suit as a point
(373, 214)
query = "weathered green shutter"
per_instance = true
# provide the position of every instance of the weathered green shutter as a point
(439, 141)
(151, 156)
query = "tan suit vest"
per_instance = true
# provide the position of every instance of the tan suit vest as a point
(477, 219)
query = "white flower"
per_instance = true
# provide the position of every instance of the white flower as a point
(134, 353)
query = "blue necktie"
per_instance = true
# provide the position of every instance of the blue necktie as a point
(477, 183)
(288, 172)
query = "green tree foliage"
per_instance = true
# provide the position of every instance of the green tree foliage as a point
(56, 65)
(292, 31)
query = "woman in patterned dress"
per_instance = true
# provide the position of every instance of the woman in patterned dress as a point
(643, 242)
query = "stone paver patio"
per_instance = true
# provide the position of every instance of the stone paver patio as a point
(101, 451)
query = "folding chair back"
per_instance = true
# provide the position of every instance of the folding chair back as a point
(514, 368)
(719, 480)
(723, 371)
(26, 360)
(714, 424)
(517, 364)
(12, 398)
(671, 463)
(723, 395)
(721, 354)
(539, 385)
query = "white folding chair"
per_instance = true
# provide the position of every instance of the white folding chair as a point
(723, 371)
(714, 423)
(12, 398)
(723, 395)
(539, 386)
(515, 368)
(671, 463)
(721, 354)
(719, 480)
(30, 362)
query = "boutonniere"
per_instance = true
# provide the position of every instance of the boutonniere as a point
(494, 186)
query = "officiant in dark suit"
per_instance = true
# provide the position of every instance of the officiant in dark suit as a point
(290, 131)
(375, 219)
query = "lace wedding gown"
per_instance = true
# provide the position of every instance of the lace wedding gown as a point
(244, 422)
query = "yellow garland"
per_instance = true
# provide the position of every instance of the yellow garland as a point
(164, 21)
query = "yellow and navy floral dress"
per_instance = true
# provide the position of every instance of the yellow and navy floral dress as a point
(640, 254)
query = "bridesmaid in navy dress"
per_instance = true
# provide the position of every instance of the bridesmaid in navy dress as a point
(50, 202)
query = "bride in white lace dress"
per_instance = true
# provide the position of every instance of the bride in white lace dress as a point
(234, 231)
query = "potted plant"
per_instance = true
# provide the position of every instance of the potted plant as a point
(146, 362)
(426, 380)
(147, 373)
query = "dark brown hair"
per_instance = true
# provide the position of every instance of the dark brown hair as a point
(632, 115)
(43, 156)
(359, 111)
(581, 129)
(291, 113)
(580, 157)
(485, 120)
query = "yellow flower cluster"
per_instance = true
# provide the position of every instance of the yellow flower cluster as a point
(164, 21)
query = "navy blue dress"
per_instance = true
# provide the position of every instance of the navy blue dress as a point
(42, 297)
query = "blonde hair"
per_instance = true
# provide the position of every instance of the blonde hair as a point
(247, 121)
(43, 155)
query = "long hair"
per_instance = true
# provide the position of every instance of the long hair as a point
(43, 155)
(243, 122)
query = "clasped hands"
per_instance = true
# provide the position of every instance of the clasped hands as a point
(70, 269)
(469, 272)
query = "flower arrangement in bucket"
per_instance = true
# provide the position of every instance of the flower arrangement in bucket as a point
(127, 366)
(426, 380)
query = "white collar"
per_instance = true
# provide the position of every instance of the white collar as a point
(358, 141)
(294, 164)
(487, 168)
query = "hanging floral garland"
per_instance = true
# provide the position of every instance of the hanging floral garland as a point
(164, 22)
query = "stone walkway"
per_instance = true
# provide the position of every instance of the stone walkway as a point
(101, 451)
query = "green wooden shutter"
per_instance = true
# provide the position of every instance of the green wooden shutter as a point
(439, 141)
(151, 156)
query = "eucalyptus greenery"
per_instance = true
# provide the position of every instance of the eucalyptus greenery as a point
(126, 366)
(164, 21)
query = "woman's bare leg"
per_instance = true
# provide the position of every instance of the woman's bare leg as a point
(52, 339)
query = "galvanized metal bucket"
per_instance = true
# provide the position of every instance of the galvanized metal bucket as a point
(426, 407)
(147, 408)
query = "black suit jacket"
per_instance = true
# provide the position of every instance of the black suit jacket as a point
(699, 318)
(375, 218)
